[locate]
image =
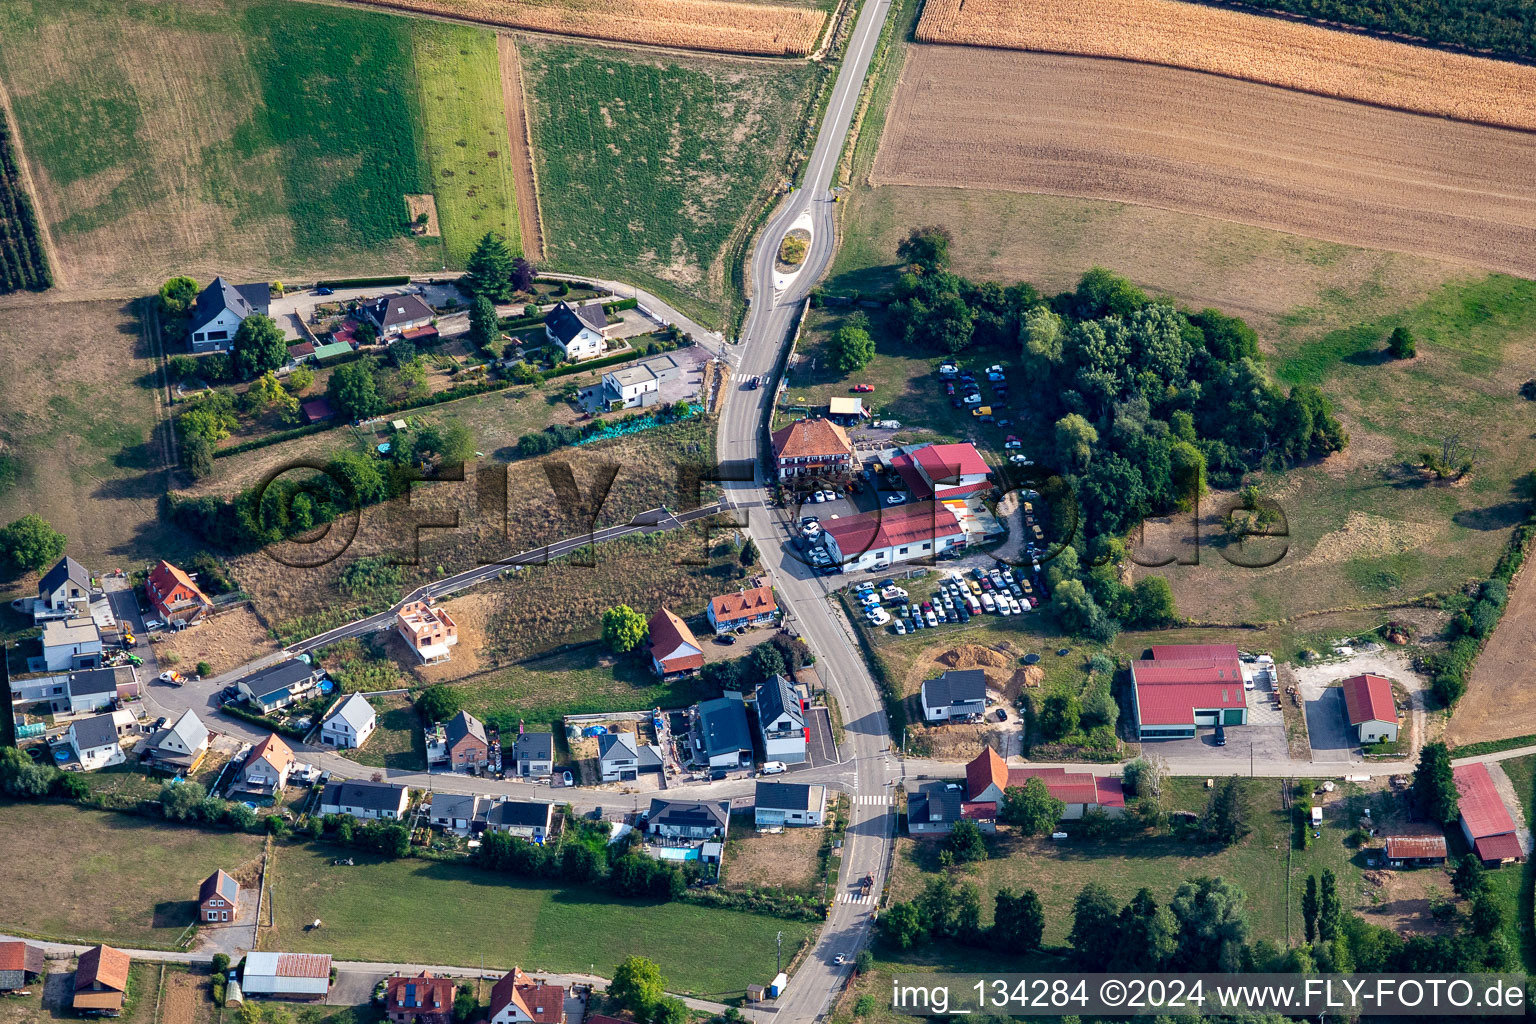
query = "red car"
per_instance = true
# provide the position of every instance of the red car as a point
(862, 387)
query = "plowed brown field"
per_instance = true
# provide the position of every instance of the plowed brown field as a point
(721, 25)
(1500, 702)
(1248, 46)
(1194, 143)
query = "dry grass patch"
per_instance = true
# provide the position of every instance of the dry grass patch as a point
(233, 637)
(1251, 47)
(1500, 702)
(720, 25)
(786, 860)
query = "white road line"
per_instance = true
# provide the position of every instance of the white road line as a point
(853, 897)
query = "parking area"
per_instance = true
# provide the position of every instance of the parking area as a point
(353, 988)
(819, 744)
(1328, 727)
(1263, 738)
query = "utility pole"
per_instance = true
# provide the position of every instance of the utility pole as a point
(778, 960)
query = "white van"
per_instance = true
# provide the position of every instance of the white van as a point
(774, 768)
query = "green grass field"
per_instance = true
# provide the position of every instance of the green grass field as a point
(649, 167)
(397, 741)
(373, 911)
(253, 138)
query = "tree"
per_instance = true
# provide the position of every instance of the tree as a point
(1401, 343)
(966, 842)
(1148, 935)
(637, 986)
(1487, 916)
(1328, 907)
(353, 391)
(902, 926)
(1075, 438)
(489, 271)
(176, 297)
(926, 249)
(1309, 908)
(484, 325)
(1031, 807)
(852, 346)
(1212, 928)
(749, 553)
(299, 379)
(259, 346)
(1470, 877)
(1226, 813)
(1101, 293)
(1152, 603)
(766, 661)
(1434, 786)
(30, 544)
(1144, 776)
(522, 275)
(181, 802)
(1060, 715)
(197, 456)
(669, 1010)
(437, 703)
(1018, 923)
(267, 392)
(623, 628)
(464, 1004)
(1095, 922)
(1073, 606)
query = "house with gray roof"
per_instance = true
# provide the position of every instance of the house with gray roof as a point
(533, 755)
(529, 819)
(277, 686)
(394, 315)
(179, 746)
(63, 592)
(366, 801)
(221, 308)
(70, 644)
(688, 819)
(934, 808)
(95, 742)
(781, 721)
(580, 332)
(778, 804)
(89, 689)
(459, 813)
(350, 724)
(621, 759)
(718, 732)
(955, 696)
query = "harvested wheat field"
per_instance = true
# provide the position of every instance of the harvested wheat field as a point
(1500, 702)
(723, 26)
(1249, 47)
(1213, 146)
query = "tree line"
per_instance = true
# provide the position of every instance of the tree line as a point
(1504, 27)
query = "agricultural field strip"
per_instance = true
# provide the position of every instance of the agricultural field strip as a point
(1250, 47)
(1213, 146)
(724, 26)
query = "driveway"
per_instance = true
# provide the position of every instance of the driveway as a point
(1327, 723)
(819, 743)
(353, 987)
(1261, 740)
(1328, 726)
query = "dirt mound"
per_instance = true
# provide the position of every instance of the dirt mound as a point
(973, 656)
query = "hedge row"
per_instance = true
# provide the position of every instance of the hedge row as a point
(277, 438)
(363, 282)
(236, 711)
(592, 364)
(1452, 668)
(622, 304)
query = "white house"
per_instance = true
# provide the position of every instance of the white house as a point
(90, 689)
(581, 332)
(365, 801)
(53, 689)
(528, 819)
(780, 804)
(95, 742)
(1372, 713)
(63, 592)
(780, 721)
(621, 759)
(458, 813)
(885, 537)
(350, 724)
(688, 819)
(266, 768)
(719, 734)
(533, 755)
(220, 309)
(519, 999)
(280, 685)
(71, 644)
(287, 975)
(955, 695)
(631, 386)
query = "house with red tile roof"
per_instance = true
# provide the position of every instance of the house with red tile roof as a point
(674, 649)
(1185, 686)
(21, 964)
(1485, 821)
(1372, 713)
(886, 536)
(942, 471)
(752, 607)
(101, 981)
(175, 597)
(421, 999)
(520, 999)
(812, 447)
(988, 778)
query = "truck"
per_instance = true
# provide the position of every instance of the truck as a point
(778, 985)
(866, 885)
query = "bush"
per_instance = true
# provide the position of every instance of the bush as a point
(204, 669)
(363, 282)
(1401, 344)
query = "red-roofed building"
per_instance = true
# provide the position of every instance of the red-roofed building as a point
(673, 647)
(317, 409)
(753, 607)
(423, 999)
(1185, 686)
(988, 777)
(1415, 851)
(1485, 821)
(872, 540)
(1368, 701)
(519, 999)
(175, 597)
(942, 471)
(812, 447)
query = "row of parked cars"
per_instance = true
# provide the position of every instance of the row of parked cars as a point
(1001, 591)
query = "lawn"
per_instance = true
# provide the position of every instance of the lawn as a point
(127, 880)
(653, 168)
(92, 468)
(397, 741)
(789, 860)
(373, 912)
(252, 139)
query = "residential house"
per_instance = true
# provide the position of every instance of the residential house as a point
(90, 689)
(350, 724)
(1415, 851)
(277, 686)
(957, 695)
(942, 472)
(812, 447)
(174, 596)
(620, 758)
(394, 315)
(459, 813)
(21, 964)
(423, 999)
(754, 607)
(287, 975)
(1185, 686)
(520, 999)
(218, 900)
(219, 310)
(427, 631)
(674, 650)
(1485, 821)
(64, 592)
(95, 742)
(266, 768)
(935, 807)
(781, 804)
(1372, 713)
(529, 819)
(988, 778)
(781, 721)
(533, 755)
(886, 537)
(70, 644)
(180, 746)
(461, 743)
(639, 384)
(317, 410)
(365, 801)
(718, 731)
(688, 819)
(580, 332)
(101, 982)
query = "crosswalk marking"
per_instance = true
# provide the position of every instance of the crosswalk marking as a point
(875, 801)
(853, 897)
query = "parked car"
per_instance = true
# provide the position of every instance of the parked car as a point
(322, 290)
(1221, 735)
(1013, 442)
(972, 399)
(900, 627)
(948, 370)
(829, 495)
(949, 387)
(895, 499)
(863, 388)
(931, 620)
(1002, 714)
(725, 640)
(774, 768)
(1003, 607)
(879, 616)
(1020, 460)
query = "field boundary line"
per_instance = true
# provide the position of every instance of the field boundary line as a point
(525, 173)
(159, 993)
(61, 280)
